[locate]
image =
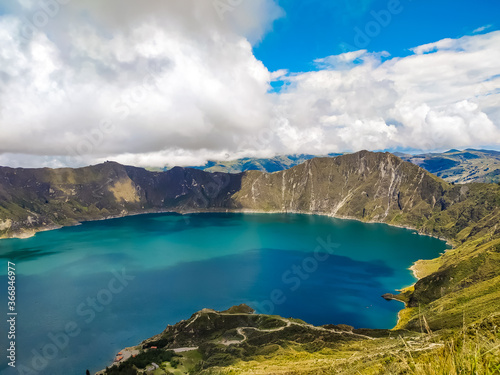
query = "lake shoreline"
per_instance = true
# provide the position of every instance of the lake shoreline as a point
(414, 269)
(33, 232)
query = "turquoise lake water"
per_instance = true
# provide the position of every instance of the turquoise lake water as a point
(85, 292)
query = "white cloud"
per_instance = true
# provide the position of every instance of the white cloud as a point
(101, 79)
(343, 61)
(279, 74)
(172, 82)
(445, 95)
(482, 28)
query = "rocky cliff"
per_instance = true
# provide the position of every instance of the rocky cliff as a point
(37, 199)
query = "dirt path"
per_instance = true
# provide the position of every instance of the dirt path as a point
(288, 323)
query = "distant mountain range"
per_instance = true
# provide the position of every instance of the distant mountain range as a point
(270, 165)
(452, 166)
(460, 166)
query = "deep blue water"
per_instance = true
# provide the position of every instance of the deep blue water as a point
(315, 268)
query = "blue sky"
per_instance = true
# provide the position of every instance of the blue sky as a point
(77, 88)
(314, 29)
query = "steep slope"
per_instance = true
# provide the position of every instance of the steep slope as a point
(375, 187)
(365, 185)
(37, 199)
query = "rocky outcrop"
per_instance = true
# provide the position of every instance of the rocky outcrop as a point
(37, 199)
(367, 186)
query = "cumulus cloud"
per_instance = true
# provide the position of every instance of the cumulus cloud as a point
(97, 79)
(176, 82)
(444, 95)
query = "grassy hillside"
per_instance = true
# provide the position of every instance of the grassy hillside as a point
(367, 186)
(37, 199)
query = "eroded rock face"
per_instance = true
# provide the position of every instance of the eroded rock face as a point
(5, 225)
(365, 185)
(34, 199)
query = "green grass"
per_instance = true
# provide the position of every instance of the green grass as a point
(470, 351)
(473, 350)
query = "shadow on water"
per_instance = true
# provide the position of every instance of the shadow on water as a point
(165, 223)
(26, 254)
(336, 290)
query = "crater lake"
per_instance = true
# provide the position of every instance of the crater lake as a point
(85, 292)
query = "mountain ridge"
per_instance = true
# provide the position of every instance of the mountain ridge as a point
(110, 189)
(454, 166)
